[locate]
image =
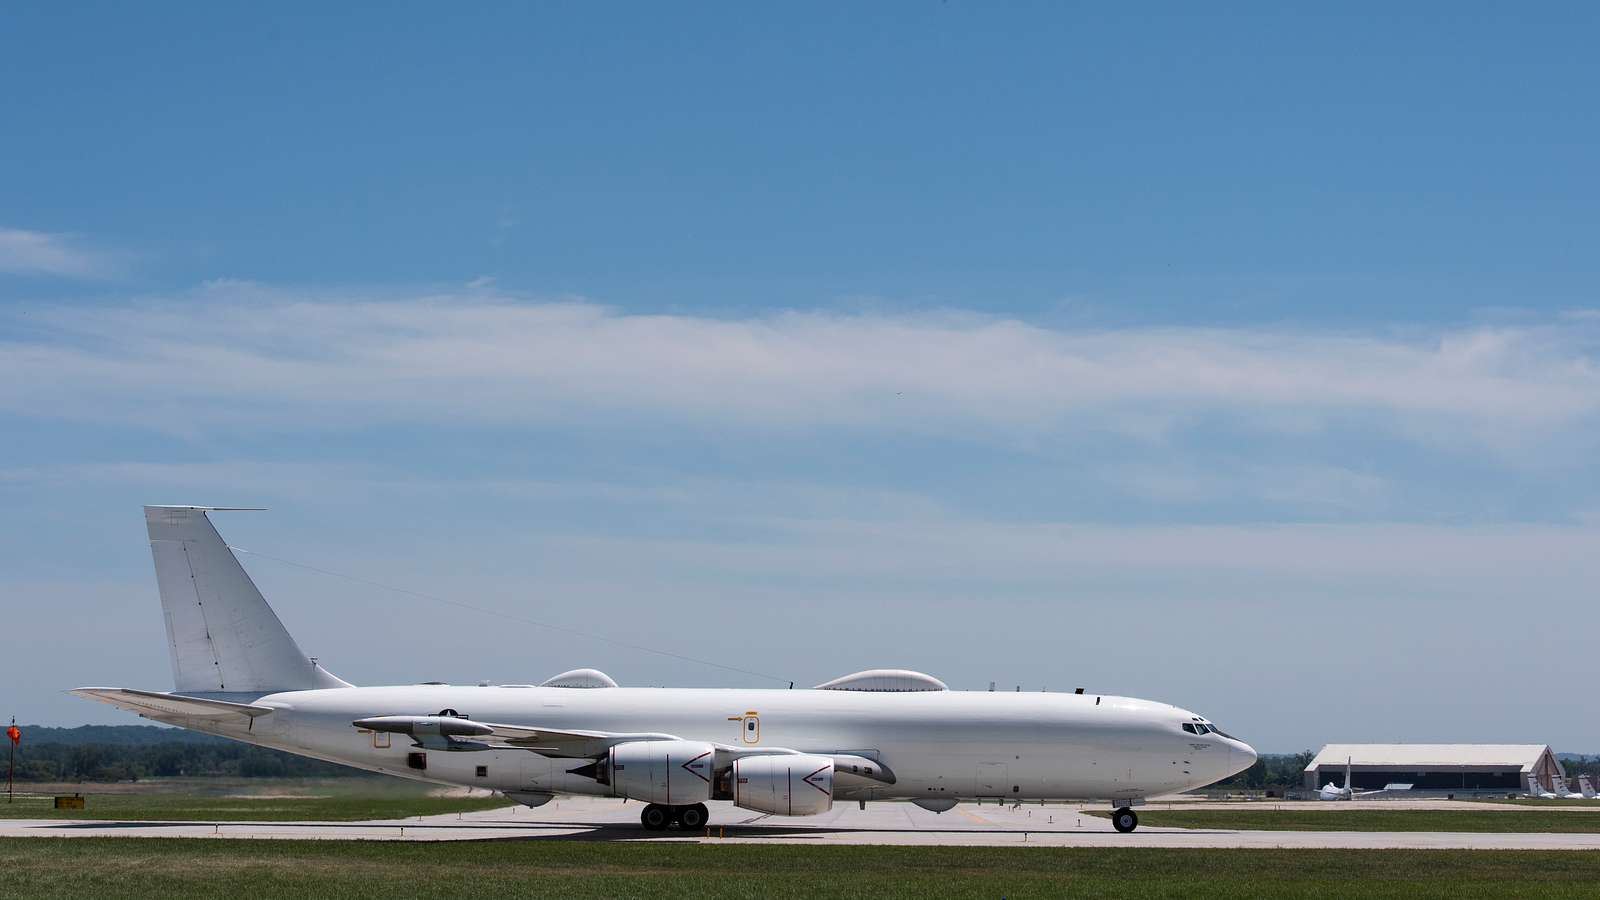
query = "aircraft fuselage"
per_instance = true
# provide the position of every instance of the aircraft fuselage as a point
(938, 744)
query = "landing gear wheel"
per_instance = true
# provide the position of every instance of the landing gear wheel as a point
(655, 817)
(1124, 820)
(693, 818)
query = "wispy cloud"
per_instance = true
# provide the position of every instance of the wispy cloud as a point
(40, 253)
(251, 355)
(1283, 483)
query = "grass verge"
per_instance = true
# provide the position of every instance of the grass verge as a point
(137, 868)
(320, 804)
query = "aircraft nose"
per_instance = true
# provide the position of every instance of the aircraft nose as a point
(1243, 756)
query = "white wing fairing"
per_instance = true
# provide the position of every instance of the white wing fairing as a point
(441, 732)
(784, 752)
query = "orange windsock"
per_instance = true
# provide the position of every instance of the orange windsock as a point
(14, 734)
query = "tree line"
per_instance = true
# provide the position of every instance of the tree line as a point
(1272, 772)
(133, 752)
(1286, 771)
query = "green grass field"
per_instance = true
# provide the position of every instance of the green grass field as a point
(326, 801)
(1473, 820)
(134, 868)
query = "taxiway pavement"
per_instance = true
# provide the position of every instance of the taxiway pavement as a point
(600, 819)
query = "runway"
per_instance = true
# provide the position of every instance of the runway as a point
(596, 819)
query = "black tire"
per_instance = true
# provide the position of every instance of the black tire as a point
(1124, 820)
(693, 818)
(655, 817)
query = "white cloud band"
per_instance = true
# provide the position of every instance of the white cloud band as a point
(256, 357)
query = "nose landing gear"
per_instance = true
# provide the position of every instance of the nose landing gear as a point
(1124, 820)
(657, 816)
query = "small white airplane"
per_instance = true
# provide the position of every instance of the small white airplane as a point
(884, 734)
(1586, 788)
(1331, 791)
(1537, 791)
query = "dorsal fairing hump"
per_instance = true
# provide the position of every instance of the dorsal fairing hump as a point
(894, 681)
(580, 678)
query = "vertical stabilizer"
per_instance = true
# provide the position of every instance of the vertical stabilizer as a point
(222, 634)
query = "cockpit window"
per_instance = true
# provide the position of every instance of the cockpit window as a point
(1199, 727)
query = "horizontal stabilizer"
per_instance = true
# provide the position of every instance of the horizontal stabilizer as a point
(156, 705)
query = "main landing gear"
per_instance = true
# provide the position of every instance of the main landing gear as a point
(657, 816)
(1124, 820)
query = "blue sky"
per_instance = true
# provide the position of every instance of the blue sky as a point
(1245, 359)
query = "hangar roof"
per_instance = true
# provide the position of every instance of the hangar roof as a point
(1524, 756)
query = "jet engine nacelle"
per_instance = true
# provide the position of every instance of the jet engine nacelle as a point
(676, 773)
(784, 785)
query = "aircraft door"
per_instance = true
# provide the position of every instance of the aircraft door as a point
(991, 780)
(749, 727)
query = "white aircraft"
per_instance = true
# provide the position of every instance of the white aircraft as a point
(879, 735)
(1586, 787)
(1537, 791)
(1331, 791)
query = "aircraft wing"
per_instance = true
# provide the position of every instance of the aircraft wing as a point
(579, 744)
(160, 706)
(565, 744)
(594, 744)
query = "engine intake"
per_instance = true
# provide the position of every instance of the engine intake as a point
(784, 785)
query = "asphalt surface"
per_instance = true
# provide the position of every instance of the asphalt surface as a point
(880, 823)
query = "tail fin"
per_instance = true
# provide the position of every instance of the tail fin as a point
(1347, 761)
(1586, 787)
(222, 634)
